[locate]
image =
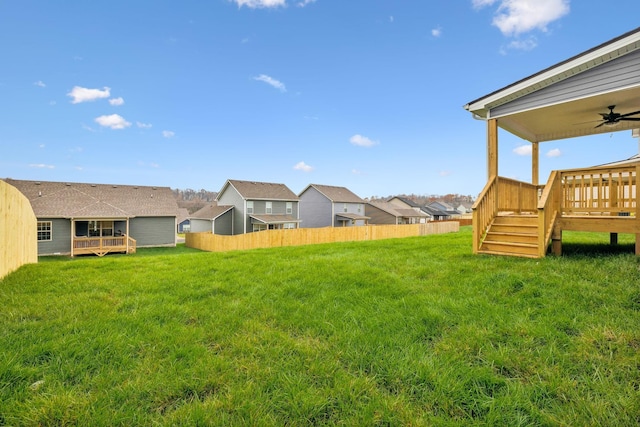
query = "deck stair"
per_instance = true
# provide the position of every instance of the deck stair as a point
(514, 235)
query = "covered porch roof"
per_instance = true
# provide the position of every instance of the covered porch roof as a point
(272, 219)
(568, 99)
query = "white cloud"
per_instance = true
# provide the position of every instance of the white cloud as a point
(526, 44)
(144, 125)
(554, 153)
(41, 146)
(302, 166)
(523, 150)
(362, 141)
(356, 172)
(444, 173)
(39, 83)
(114, 121)
(436, 32)
(168, 134)
(303, 3)
(116, 101)
(259, 4)
(83, 94)
(271, 81)
(515, 17)
(41, 166)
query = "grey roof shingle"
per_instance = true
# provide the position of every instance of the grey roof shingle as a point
(211, 211)
(254, 190)
(336, 194)
(391, 209)
(79, 200)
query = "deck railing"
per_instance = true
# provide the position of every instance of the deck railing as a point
(548, 210)
(600, 191)
(501, 195)
(484, 211)
(516, 196)
(103, 245)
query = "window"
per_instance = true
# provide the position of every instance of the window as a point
(289, 225)
(44, 231)
(269, 208)
(250, 207)
(359, 208)
(100, 228)
(289, 208)
(345, 208)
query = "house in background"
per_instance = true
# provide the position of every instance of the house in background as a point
(436, 214)
(184, 224)
(388, 213)
(404, 203)
(259, 205)
(330, 206)
(465, 208)
(449, 210)
(77, 218)
(213, 218)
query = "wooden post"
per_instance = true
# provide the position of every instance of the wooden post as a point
(613, 239)
(535, 162)
(637, 219)
(492, 148)
(73, 235)
(556, 241)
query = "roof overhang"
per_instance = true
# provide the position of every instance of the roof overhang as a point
(574, 115)
(351, 217)
(273, 219)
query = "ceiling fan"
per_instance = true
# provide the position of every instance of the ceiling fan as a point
(611, 118)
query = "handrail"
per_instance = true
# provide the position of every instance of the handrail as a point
(548, 210)
(484, 210)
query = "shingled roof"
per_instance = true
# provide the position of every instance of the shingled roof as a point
(210, 211)
(79, 200)
(336, 194)
(254, 190)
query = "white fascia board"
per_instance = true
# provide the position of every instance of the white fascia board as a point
(555, 74)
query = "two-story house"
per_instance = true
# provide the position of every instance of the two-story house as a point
(330, 206)
(259, 205)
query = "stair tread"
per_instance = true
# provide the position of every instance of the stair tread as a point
(489, 252)
(501, 242)
(512, 233)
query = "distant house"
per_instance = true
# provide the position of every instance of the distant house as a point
(213, 218)
(77, 218)
(441, 206)
(330, 206)
(404, 203)
(388, 213)
(184, 224)
(436, 214)
(465, 208)
(259, 205)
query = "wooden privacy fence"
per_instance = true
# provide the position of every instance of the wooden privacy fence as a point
(18, 230)
(309, 236)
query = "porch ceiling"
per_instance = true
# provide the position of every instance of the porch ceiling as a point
(572, 119)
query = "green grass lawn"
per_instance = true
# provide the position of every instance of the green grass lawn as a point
(414, 331)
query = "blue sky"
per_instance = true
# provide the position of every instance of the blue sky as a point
(366, 94)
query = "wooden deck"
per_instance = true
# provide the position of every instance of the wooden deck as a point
(103, 245)
(520, 219)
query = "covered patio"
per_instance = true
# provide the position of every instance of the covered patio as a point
(597, 91)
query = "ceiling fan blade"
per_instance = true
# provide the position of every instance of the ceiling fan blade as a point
(630, 119)
(630, 114)
(601, 124)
